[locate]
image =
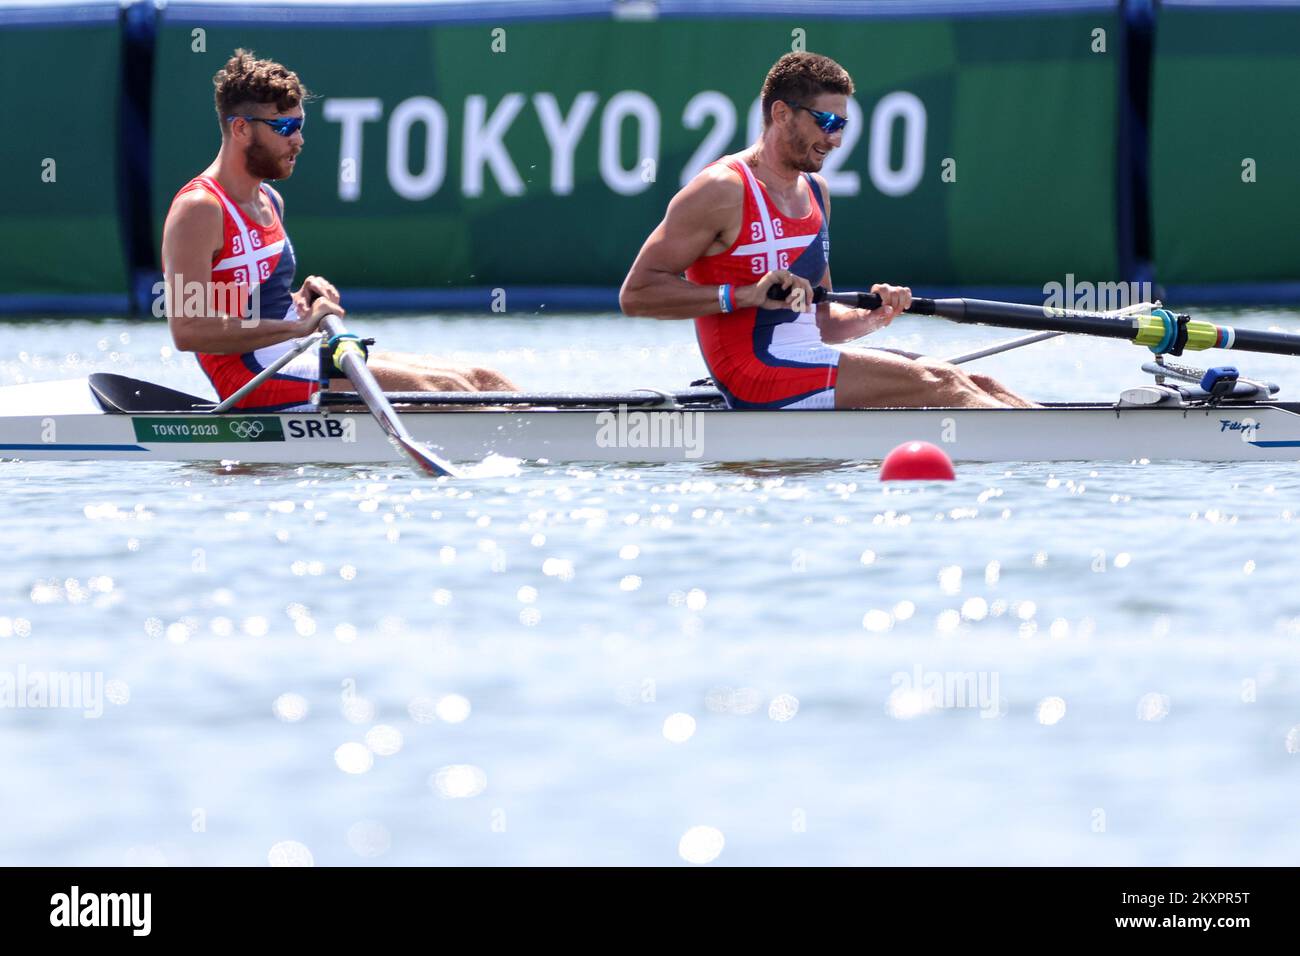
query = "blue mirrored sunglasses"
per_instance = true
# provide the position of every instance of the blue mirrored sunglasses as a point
(286, 126)
(829, 122)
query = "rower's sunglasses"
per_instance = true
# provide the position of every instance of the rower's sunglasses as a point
(286, 126)
(829, 122)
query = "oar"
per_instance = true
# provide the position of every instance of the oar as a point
(349, 355)
(229, 402)
(1160, 330)
(1001, 347)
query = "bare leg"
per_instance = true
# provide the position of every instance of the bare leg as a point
(400, 371)
(986, 383)
(490, 380)
(879, 379)
(999, 391)
(402, 378)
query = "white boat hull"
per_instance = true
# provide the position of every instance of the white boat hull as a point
(74, 428)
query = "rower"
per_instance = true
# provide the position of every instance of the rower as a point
(759, 219)
(228, 263)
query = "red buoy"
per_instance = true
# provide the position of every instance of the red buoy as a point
(917, 461)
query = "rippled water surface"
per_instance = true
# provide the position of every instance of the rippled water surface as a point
(1039, 663)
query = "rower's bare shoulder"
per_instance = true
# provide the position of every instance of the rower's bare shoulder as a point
(192, 233)
(716, 191)
(194, 211)
(718, 183)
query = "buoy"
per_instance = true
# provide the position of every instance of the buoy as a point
(917, 461)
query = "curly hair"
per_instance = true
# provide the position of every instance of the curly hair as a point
(801, 77)
(246, 80)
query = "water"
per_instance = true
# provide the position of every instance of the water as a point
(1072, 662)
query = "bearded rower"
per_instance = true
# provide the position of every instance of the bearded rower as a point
(229, 265)
(759, 219)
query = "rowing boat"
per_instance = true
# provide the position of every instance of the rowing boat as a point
(1187, 414)
(111, 417)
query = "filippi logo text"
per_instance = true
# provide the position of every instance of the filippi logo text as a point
(1230, 425)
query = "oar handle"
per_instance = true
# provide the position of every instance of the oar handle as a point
(857, 300)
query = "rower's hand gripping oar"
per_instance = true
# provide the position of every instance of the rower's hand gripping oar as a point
(1162, 331)
(346, 352)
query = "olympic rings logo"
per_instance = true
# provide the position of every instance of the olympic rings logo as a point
(247, 430)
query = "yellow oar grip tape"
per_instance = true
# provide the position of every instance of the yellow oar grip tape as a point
(1166, 333)
(341, 345)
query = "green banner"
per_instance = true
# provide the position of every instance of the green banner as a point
(981, 149)
(208, 429)
(59, 165)
(1225, 137)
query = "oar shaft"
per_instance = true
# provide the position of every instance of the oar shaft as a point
(230, 400)
(351, 359)
(1001, 347)
(1162, 331)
